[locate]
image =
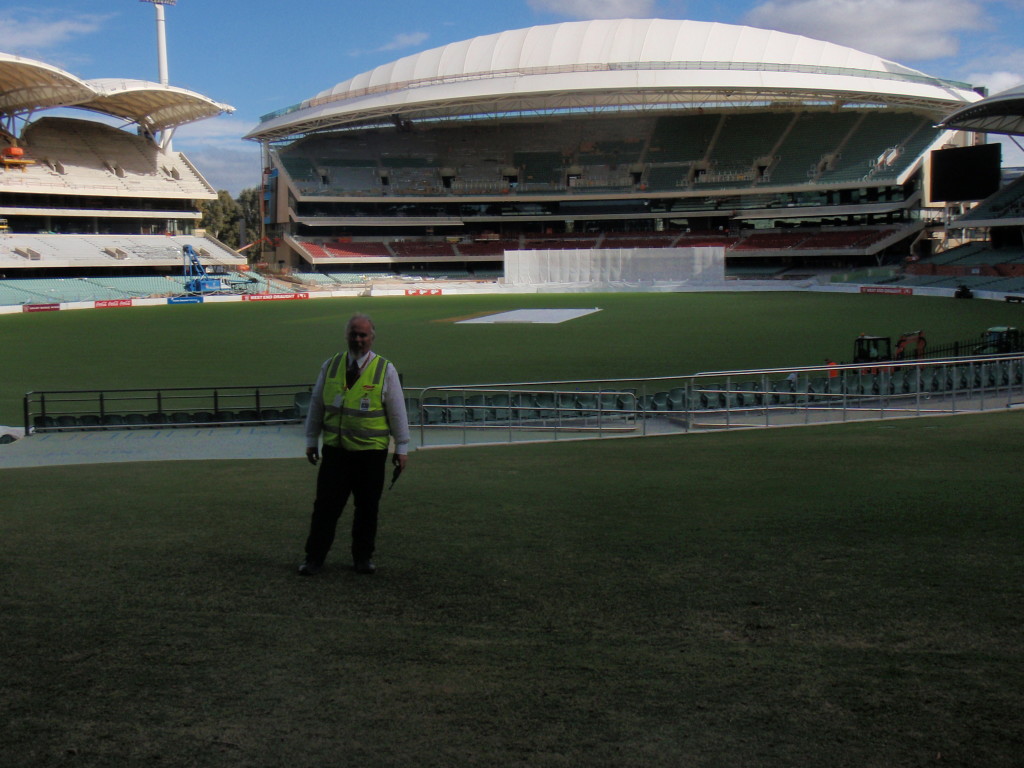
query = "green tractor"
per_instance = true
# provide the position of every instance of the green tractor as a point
(1000, 340)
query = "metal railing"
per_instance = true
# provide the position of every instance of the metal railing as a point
(586, 408)
(717, 400)
(76, 410)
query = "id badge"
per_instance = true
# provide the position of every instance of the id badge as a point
(364, 404)
(337, 401)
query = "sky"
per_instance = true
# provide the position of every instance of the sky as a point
(263, 55)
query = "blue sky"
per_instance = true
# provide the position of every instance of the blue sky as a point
(262, 55)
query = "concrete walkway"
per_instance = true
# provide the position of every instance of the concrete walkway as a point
(98, 447)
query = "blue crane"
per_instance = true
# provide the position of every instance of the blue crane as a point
(197, 279)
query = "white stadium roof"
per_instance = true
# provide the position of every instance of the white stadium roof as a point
(615, 64)
(27, 86)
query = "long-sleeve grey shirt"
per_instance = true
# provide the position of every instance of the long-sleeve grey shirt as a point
(394, 406)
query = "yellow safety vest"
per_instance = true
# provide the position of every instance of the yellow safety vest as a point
(354, 418)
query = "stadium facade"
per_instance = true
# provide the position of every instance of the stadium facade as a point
(609, 134)
(90, 185)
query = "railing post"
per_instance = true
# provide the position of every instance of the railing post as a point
(640, 409)
(423, 410)
(728, 402)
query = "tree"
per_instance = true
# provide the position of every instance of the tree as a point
(220, 218)
(249, 212)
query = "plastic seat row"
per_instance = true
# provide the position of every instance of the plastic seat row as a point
(520, 406)
(819, 389)
(86, 421)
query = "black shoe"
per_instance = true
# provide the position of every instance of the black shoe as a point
(365, 566)
(310, 568)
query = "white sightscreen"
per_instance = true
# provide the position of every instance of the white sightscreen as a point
(616, 265)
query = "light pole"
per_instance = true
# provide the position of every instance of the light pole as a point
(161, 37)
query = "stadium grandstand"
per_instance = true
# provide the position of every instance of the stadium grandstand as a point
(789, 153)
(987, 239)
(97, 207)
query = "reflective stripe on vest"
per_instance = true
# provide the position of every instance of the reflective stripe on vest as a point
(355, 418)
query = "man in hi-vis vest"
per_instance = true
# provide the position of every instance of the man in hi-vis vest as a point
(357, 405)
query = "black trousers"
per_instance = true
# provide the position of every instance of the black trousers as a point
(359, 474)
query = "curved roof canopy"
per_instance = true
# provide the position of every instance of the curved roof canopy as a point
(152, 105)
(27, 86)
(1002, 113)
(615, 64)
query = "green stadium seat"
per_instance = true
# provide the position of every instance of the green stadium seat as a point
(677, 399)
(708, 396)
(586, 404)
(455, 410)
(547, 405)
(960, 377)
(750, 393)
(477, 408)
(524, 406)
(44, 422)
(659, 402)
(500, 405)
(432, 410)
(1015, 372)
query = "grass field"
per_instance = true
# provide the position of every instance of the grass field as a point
(831, 596)
(826, 596)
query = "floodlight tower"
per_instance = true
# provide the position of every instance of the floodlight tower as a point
(161, 37)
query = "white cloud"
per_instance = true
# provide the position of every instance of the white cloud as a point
(907, 30)
(226, 168)
(405, 40)
(596, 9)
(222, 129)
(216, 148)
(28, 32)
(399, 42)
(996, 82)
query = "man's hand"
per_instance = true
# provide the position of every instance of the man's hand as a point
(399, 460)
(312, 455)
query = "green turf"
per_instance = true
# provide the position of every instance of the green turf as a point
(830, 596)
(635, 335)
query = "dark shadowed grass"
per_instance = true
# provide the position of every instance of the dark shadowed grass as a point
(831, 596)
